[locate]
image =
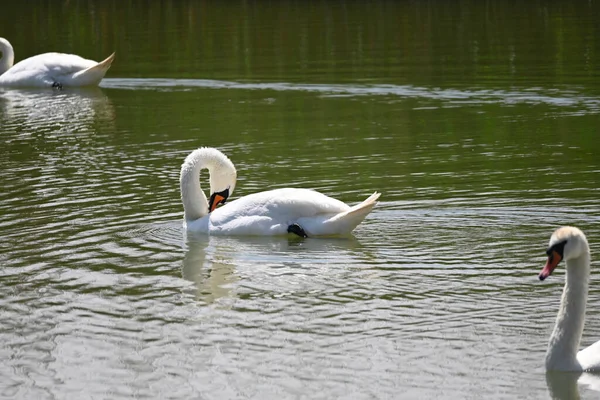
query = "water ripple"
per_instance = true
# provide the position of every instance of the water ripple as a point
(99, 284)
(451, 97)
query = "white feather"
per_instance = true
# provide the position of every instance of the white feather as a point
(264, 213)
(563, 354)
(48, 69)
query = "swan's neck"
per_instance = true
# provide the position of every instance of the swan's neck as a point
(195, 204)
(564, 342)
(222, 176)
(8, 56)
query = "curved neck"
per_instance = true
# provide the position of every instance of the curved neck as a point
(222, 175)
(195, 204)
(8, 56)
(564, 342)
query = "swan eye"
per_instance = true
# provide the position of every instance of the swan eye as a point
(558, 248)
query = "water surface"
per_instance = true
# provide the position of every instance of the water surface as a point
(476, 120)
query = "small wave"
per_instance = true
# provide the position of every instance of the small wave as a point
(555, 97)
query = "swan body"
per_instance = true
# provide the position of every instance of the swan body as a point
(50, 69)
(570, 244)
(271, 212)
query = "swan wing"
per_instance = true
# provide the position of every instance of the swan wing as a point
(589, 358)
(271, 212)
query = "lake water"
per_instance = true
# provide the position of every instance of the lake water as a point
(478, 122)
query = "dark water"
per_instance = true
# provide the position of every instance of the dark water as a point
(476, 120)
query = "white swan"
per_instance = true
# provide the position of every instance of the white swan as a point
(50, 69)
(304, 212)
(570, 243)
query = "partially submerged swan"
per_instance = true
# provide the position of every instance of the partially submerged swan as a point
(50, 69)
(570, 244)
(303, 212)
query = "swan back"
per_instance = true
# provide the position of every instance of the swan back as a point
(49, 69)
(45, 69)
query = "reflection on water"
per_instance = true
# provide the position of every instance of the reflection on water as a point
(213, 263)
(212, 277)
(567, 385)
(71, 110)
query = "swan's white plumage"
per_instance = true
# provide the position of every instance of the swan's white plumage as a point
(563, 354)
(589, 358)
(48, 69)
(264, 213)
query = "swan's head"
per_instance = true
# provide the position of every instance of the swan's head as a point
(222, 180)
(7, 57)
(4, 45)
(221, 187)
(566, 243)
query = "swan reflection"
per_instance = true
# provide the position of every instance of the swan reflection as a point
(566, 385)
(56, 130)
(212, 277)
(212, 262)
(31, 110)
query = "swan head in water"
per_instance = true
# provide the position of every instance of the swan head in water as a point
(566, 243)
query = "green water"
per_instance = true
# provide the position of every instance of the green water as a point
(477, 120)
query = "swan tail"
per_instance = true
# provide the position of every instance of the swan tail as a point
(359, 211)
(93, 75)
(345, 222)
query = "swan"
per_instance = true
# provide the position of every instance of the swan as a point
(570, 244)
(50, 69)
(303, 212)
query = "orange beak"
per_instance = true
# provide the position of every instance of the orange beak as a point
(218, 199)
(552, 262)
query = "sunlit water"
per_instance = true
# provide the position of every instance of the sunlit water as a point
(478, 156)
(435, 296)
